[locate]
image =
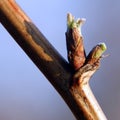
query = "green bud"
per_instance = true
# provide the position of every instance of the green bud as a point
(96, 53)
(72, 23)
(100, 49)
(70, 20)
(103, 46)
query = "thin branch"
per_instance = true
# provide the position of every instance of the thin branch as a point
(49, 61)
(84, 67)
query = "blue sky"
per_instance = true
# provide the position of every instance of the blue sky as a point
(25, 94)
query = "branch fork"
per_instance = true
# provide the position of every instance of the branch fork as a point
(84, 67)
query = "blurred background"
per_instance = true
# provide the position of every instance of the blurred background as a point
(25, 94)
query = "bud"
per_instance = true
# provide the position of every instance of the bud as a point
(96, 53)
(74, 42)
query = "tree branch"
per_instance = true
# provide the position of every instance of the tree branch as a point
(50, 62)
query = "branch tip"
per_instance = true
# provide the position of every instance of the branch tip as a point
(72, 23)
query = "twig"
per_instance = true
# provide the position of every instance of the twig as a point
(84, 67)
(50, 62)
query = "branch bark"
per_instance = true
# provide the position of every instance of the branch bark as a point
(79, 99)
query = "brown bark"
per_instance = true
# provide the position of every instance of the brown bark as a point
(78, 97)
